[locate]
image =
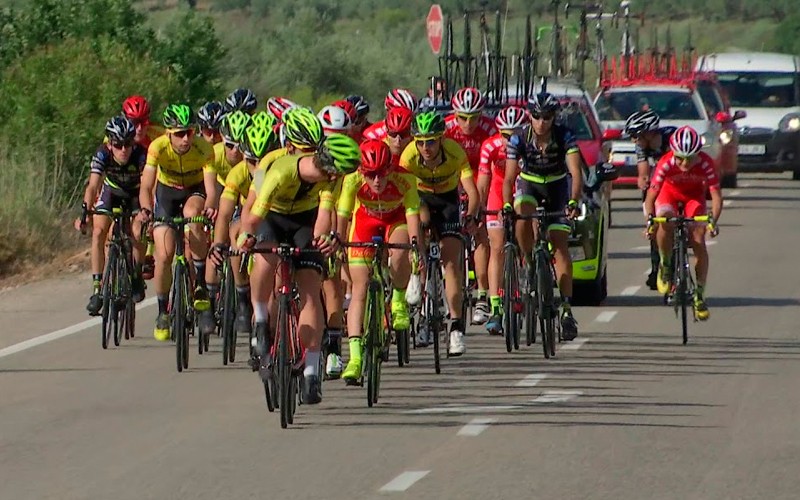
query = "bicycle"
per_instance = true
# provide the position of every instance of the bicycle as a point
(226, 313)
(283, 376)
(181, 309)
(119, 309)
(377, 327)
(683, 286)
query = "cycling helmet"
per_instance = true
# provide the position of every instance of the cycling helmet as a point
(348, 108)
(339, 154)
(263, 119)
(398, 120)
(258, 141)
(210, 115)
(120, 129)
(178, 117)
(241, 99)
(511, 118)
(136, 108)
(468, 100)
(642, 121)
(685, 142)
(361, 105)
(400, 98)
(376, 157)
(234, 125)
(277, 106)
(334, 119)
(543, 103)
(302, 128)
(427, 124)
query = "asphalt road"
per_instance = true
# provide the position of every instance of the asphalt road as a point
(626, 412)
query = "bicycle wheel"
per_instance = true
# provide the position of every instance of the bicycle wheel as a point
(530, 298)
(681, 287)
(228, 322)
(107, 311)
(178, 317)
(121, 297)
(544, 288)
(510, 296)
(286, 395)
(401, 339)
(431, 308)
(370, 342)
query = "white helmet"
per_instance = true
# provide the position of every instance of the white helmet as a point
(334, 119)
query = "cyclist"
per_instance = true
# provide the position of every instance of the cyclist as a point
(335, 119)
(682, 176)
(276, 106)
(259, 139)
(652, 142)
(179, 167)
(209, 117)
(114, 178)
(241, 99)
(381, 201)
(510, 120)
(396, 98)
(227, 154)
(361, 122)
(137, 109)
(469, 127)
(440, 164)
(398, 131)
(294, 207)
(544, 159)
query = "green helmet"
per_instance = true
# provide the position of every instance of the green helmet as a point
(258, 141)
(302, 128)
(178, 117)
(339, 154)
(427, 124)
(263, 118)
(233, 126)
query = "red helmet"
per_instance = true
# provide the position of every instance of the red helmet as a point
(136, 108)
(468, 100)
(278, 105)
(685, 142)
(398, 120)
(376, 158)
(348, 107)
(510, 118)
(400, 98)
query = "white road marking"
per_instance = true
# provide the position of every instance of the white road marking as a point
(710, 243)
(727, 203)
(533, 379)
(574, 345)
(404, 481)
(476, 426)
(745, 184)
(641, 248)
(605, 316)
(464, 409)
(556, 396)
(735, 192)
(64, 332)
(631, 290)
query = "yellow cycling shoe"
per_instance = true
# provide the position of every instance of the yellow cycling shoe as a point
(353, 370)
(161, 331)
(700, 308)
(201, 300)
(400, 318)
(662, 280)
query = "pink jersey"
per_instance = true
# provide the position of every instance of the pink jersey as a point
(375, 131)
(691, 183)
(470, 143)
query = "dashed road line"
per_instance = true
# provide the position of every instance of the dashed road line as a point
(574, 345)
(735, 192)
(533, 379)
(404, 481)
(631, 290)
(476, 426)
(556, 396)
(605, 316)
(727, 203)
(464, 409)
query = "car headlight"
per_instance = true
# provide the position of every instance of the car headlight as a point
(706, 139)
(577, 253)
(725, 137)
(790, 123)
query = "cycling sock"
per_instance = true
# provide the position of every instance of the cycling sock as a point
(565, 303)
(96, 282)
(334, 344)
(151, 246)
(213, 291)
(482, 294)
(497, 304)
(665, 258)
(261, 312)
(312, 363)
(700, 290)
(243, 293)
(163, 302)
(399, 296)
(457, 324)
(355, 347)
(200, 272)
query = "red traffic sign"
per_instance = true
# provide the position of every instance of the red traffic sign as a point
(435, 24)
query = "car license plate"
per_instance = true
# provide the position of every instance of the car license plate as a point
(752, 149)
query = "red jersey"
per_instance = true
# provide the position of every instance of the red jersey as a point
(691, 183)
(493, 164)
(470, 143)
(375, 131)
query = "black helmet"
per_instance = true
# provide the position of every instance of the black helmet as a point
(543, 103)
(241, 99)
(120, 129)
(642, 121)
(210, 115)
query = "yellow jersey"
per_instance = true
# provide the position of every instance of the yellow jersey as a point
(220, 165)
(443, 178)
(400, 192)
(237, 183)
(284, 192)
(179, 171)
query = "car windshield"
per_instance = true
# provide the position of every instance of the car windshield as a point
(669, 104)
(760, 90)
(573, 117)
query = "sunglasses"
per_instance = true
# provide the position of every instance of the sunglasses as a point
(122, 145)
(140, 123)
(231, 145)
(183, 133)
(683, 158)
(507, 133)
(467, 117)
(426, 142)
(395, 135)
(543, 116)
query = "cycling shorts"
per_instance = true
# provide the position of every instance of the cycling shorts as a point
(110, 198)
(296, 230)
(494, 202)
(444, 212)
(552, 196)
(669, 197)
(170, 201)
(364, 227)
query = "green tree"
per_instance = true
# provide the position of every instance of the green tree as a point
(787, 35)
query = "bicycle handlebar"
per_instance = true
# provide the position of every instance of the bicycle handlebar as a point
(684, 220)
(180, 221)
(381, 244)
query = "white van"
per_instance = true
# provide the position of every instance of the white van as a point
(767, 87)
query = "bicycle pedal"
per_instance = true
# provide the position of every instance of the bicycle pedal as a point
(353, 382)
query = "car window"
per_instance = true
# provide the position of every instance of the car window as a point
(760, 90)
(669, 104)
(573, 117)
(711, 98)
